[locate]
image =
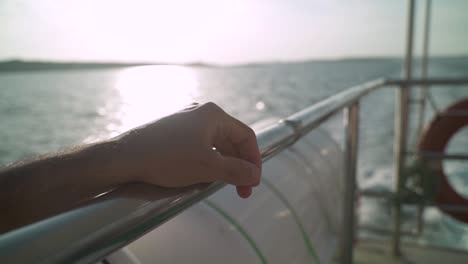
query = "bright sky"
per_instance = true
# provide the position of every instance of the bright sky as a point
(220, 31)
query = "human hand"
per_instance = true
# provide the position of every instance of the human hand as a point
(196, 145)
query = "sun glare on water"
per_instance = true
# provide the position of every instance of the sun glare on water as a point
(151, 92)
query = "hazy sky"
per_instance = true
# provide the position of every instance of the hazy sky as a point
(221, 31)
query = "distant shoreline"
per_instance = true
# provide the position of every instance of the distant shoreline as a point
(19, 65)
(32, 65)
(25, 65)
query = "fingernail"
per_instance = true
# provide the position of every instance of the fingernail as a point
(244, 191)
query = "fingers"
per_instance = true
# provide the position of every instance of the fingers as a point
(234, 135)
(240, 160)
(239, 140)
(237, 171)
(244, 140)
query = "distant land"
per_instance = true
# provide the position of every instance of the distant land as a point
(23, 65)
(32, 65)
(20, 65)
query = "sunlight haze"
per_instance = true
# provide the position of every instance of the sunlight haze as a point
(225, 32)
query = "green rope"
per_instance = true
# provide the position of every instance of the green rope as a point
(296, 218)
(239, 228)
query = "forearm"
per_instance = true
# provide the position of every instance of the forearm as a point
(175, 151)
(40, 188)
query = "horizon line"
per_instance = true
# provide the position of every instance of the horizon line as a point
(215, 64)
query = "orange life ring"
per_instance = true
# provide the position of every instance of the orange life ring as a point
(435, 139)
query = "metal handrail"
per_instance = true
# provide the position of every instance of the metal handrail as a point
(113, 220)
(431, 82)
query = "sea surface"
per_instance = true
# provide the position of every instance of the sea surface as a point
(46, 111)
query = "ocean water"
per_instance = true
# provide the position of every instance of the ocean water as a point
(48, 111)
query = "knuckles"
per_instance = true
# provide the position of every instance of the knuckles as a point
(209, 113)
(250, 132)
(210, 109)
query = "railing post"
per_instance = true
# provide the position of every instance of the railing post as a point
(424, 63)
(401, 130)
(401, 123)
(351, 123)
(423, 90)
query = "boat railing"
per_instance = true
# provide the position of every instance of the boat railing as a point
(114, 219)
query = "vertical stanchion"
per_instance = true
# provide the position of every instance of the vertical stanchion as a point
(423, 89)
(424, 63)
(401, 123)
(351, 123)
(401, 131)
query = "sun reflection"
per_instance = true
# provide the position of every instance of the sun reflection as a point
(151, 92)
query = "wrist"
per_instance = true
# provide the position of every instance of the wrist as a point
(106, 162)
